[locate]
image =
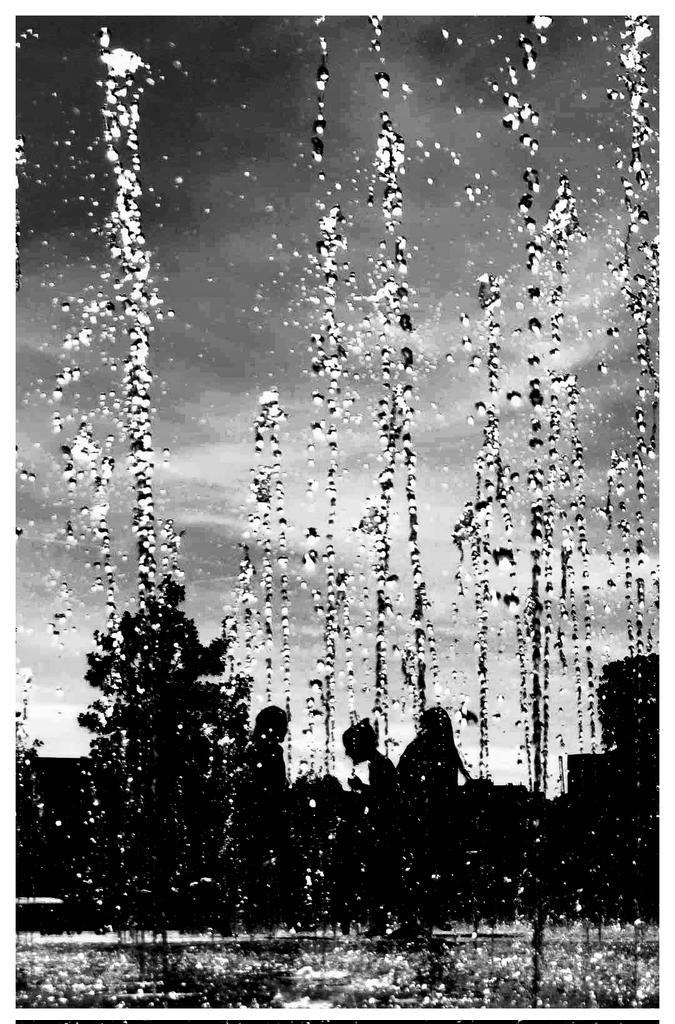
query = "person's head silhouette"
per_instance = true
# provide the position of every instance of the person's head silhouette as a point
(436, 737)
(360, 741)
(435, 725)
(271, 724)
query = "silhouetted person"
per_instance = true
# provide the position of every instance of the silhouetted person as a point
(432, 757)
(333, 804)
(428, 774)
(261, 819)
(375, 819)
(316, 814)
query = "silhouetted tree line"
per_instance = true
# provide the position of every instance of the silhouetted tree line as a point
(170, 729)
(29, 807)
(185, 819)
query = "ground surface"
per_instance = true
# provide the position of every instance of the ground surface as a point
(578, 969)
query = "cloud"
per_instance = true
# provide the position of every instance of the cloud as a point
(233, 124)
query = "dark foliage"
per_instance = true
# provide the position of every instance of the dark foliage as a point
(29, 838)
(168, 739)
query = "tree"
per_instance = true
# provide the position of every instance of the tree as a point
(165, 737)
(29, 839)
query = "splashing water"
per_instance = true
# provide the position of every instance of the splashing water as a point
(126, 242)
(345, 602)
(267, 425)
(20, 162)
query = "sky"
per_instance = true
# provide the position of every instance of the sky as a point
(231, 209)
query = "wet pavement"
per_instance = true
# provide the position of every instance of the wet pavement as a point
(456, 969)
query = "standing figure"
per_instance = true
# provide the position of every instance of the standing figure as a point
(428, 774)
(261, 821)
(375, 823)
(316, 877)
